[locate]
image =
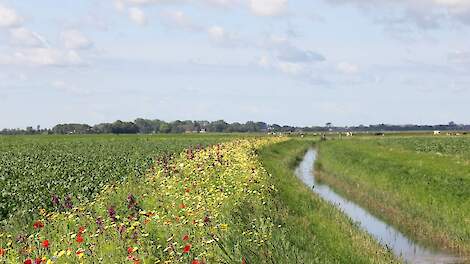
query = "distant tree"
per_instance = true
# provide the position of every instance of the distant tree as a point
(72, 129)
(164, 128)
(218, 126)
(120, 127)
(144, 126)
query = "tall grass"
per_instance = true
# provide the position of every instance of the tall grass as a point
(424, 193)
(316, 231)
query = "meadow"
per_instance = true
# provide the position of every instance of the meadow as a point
(419, 184)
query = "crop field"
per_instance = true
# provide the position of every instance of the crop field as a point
(56, 172)
(419, 184)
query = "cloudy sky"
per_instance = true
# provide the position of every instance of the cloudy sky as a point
(300, 62)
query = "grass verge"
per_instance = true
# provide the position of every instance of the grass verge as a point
(315, 231)
(427, 196)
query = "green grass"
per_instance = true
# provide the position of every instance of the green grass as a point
(420, 185)
(316, 232)
(33, 169)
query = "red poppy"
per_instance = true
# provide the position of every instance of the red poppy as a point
(81, 230)
(187, 190)
(130, 250)
(45, 243)
(37, 261)
(195, 261)
(2, 252)
(28, 261)
(38, 224)
(187, 248)
(79, 238)
(186, 238)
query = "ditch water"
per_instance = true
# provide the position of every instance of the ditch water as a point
(387, 235)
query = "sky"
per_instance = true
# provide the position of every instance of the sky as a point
(296, 62)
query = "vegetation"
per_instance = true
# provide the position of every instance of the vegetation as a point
(156, 126)
(420, 185)
(56, 172)
(213, 204)
(315, 231)
(206, 205)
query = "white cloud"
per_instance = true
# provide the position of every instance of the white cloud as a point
(459, 57)
(137, 15)
(424, 14)
(268, 7)
(179, 19)
(292, 68)
(119, 5)
(22, 36)
(223, 3)
(9, 17)
(219, 35)
(290, 53)
(347, 68)
(43, 57)
(74, 39)
(264, 61)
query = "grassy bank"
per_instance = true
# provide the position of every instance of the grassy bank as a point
(422, 186)
(315, 231)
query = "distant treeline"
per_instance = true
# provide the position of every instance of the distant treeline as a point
(147, 126)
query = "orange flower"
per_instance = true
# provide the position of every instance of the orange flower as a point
(2, 252)
(187, 248)
(182, 206)
(81, 230)
(45, 243)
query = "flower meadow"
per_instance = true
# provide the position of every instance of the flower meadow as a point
(190, 208)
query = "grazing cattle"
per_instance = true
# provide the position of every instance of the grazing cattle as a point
(349, 134)
(437, 132)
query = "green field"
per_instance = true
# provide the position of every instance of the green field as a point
(419, 184)
(220, 198)
(34, 169)
(154, 199)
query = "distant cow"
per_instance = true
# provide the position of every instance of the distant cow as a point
(349, 134)
(437, 132)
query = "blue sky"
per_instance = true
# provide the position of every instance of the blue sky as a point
(303, 62)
